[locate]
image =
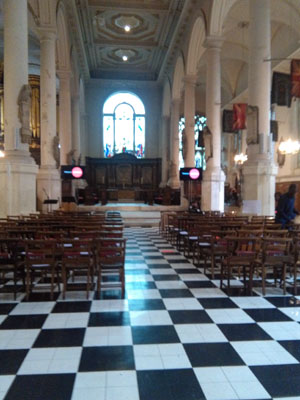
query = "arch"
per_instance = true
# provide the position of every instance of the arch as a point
(196, 48)
(62, 43)
(178, 78)
(219, 11)
(166, 99)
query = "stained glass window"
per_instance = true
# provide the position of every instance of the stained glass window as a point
(124, 125)
(200, 123)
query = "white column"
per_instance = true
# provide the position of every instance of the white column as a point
(76, 126)
(189, 114)
(173, 181)
(65, 123)
(212, 189)
(48, 182)
(259, 171)
(17, 169)
(165, 121)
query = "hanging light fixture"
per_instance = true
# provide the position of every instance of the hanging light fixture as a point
(289, 146)
(240, 158)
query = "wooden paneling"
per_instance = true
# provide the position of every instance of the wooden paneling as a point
(123, 171)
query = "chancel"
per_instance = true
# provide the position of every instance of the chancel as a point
(146, 147)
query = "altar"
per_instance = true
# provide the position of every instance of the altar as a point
(124, 177)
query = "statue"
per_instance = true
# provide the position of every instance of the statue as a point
(24, 102)
(70, 157)
(55, 150)
(207, 137)
(184, 144)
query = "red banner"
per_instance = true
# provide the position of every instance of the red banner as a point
(239, 116)
(295, 78)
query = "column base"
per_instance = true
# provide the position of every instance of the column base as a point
(48, 187)
(258, 187)
(18, 173)
(174, 183)
(212, 190)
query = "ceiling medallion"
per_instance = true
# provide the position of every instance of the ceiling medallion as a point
(125, 54)
(127, 22)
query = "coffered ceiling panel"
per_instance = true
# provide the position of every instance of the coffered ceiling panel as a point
(128, 37)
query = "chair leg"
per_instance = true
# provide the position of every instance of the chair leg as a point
(28, 282)
(263, 280)
(64, 279)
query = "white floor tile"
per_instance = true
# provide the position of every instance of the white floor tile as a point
(182, 304)
(18, 338)
(208, 292)
(252, 302)
(282, 330)
(66, 320)
(170, 285)
(124, 393)
(90, 379)
(33, 308)
(229, 316)
(90, 393)
(292, 312)
(221, 391)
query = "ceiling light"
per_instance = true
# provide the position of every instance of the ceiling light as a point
(240, 158)
(127, 28)
(289, 146)
(124, 58)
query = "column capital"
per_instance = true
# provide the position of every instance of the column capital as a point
(213, 42)
(190, 79)
(47, 33)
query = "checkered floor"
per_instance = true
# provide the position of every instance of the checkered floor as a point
(176, 336)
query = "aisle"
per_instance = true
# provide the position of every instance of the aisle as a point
(176, 336)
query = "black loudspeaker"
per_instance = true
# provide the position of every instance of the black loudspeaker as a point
(274, 130)
(190, 174)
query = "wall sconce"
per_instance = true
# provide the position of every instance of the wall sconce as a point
(2, 154)
(240, 158)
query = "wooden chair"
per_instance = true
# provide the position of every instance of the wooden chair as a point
(110, 264)
(242, 251)
(276, 255)
(77, 255)
(40, 257)
(10, 267)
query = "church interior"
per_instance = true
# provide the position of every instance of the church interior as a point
(149, 179)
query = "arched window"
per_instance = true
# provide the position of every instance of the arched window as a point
(124, 125)
(200, 123)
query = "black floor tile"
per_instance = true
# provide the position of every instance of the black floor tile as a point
(107, 358)
(154, 334)
(238, 292)
(180, 384)
(24, 321)
(180, 261)
(72, 306)
(190, 317)
(6, 308)
(60, 337)
(169, 293)
(212, 354)
(293, 347)
(239, 332)
(284, 301)
(279, 380)
(109, 319)
(41, 296)
(41, 387)
(11, 360)
(158, 266)
(199, 284)
(158, 257)
(187, 271)
(267, 315)
(217, 303)
(108, 295)
(146, 304)
(171, 277)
